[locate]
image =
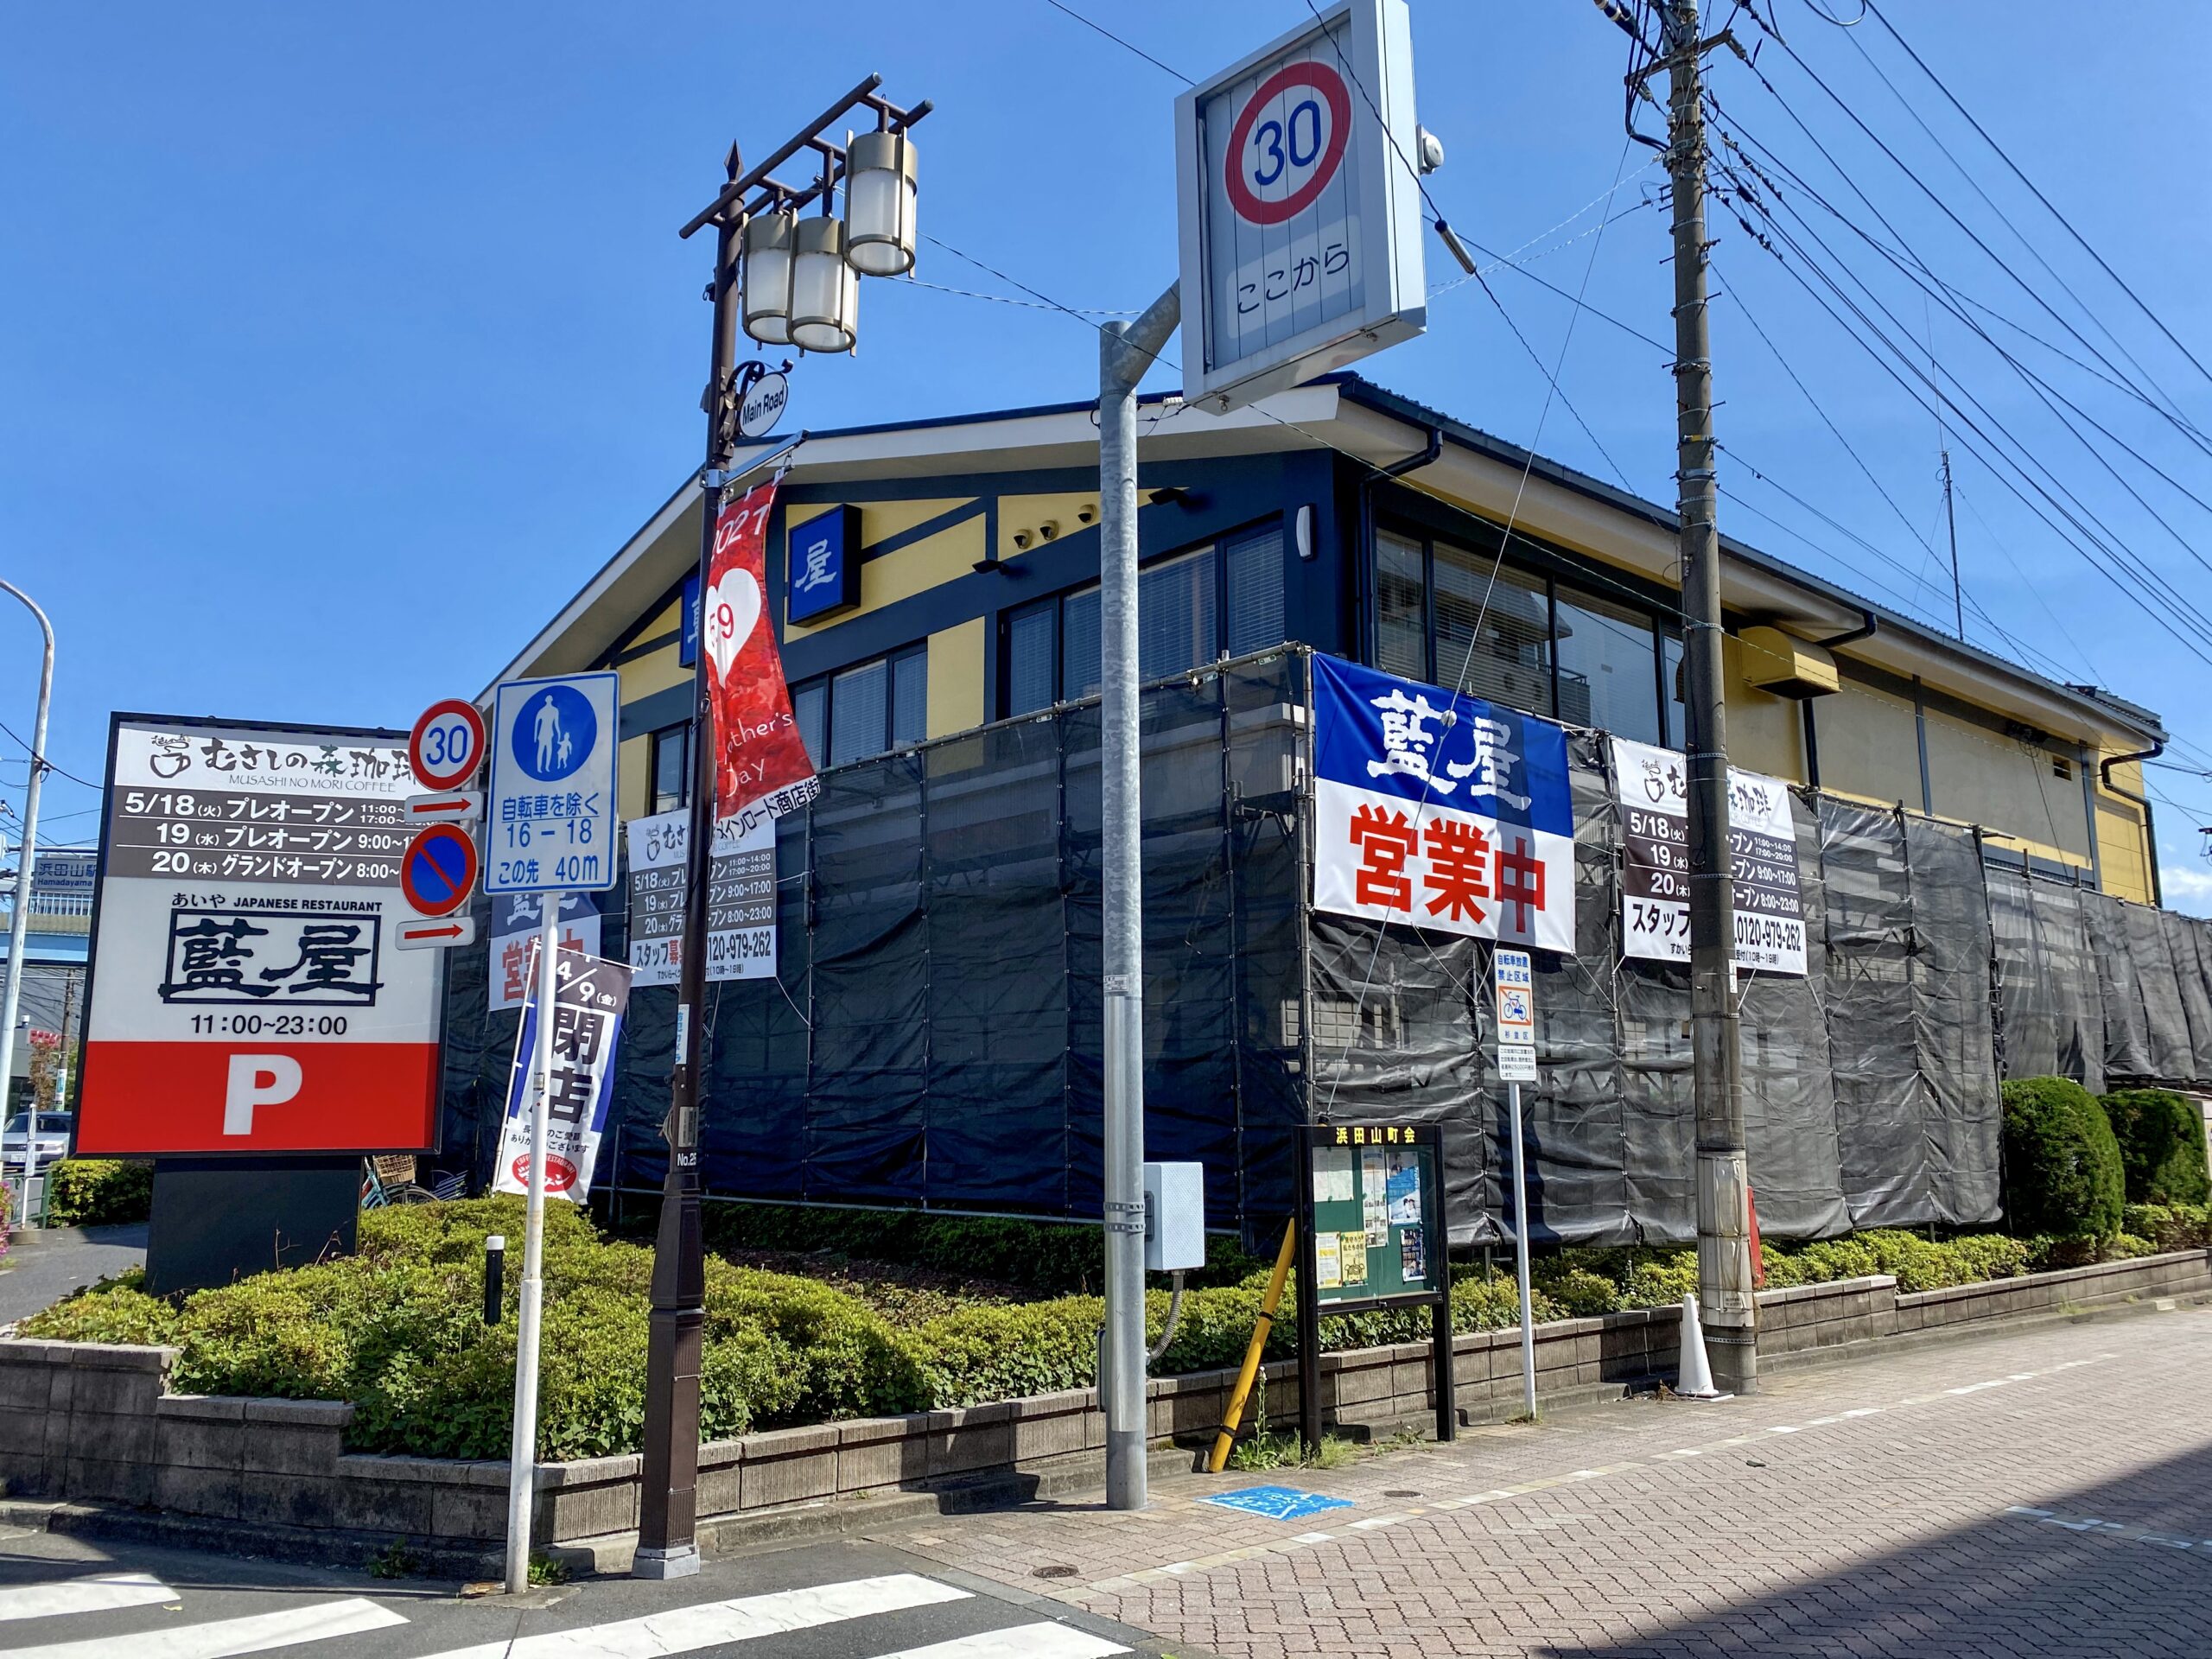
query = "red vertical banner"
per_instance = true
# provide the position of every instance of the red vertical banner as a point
(761, 768)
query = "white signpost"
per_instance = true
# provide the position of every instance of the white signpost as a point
(549, 829)
(1300, 206)
(1515, 981)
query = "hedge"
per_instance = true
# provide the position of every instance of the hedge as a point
(2161, 1140)
(97, 1192)
(2063, 1171)
(1045, 1257)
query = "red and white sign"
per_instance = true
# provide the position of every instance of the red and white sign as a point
(446, 806)
(447, 746)
(762, 770)
(248, 992)
(438, 870)
(1300, 213)
(436, 933)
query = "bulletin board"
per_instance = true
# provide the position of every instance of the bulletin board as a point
(1377, 1231)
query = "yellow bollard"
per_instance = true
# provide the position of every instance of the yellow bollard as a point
(1230, 1419)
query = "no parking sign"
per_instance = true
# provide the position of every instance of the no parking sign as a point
(1301, 211)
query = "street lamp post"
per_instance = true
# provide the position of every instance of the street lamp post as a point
(799, 286)
(12, 998)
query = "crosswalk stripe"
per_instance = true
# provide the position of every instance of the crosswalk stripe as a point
(686, 1629)
(1019, 1642)
(92, 1594)
(223, 1637)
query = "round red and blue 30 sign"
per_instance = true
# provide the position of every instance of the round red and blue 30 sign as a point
(438, 870)
(1287, 142)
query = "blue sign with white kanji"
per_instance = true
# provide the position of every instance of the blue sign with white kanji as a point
(1277, 1503)
(821, 565)
(550, 824)
(1440, 810)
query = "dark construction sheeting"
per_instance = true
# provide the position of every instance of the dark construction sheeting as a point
(931, 1035)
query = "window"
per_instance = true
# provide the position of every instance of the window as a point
(669, 768)
(865, 710)
(1608, 669)
(1463, 619)
(1192, 607)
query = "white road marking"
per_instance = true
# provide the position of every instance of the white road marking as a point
(94, 1594)
(1020, 1642)
(220, 1638)
(686, 1629)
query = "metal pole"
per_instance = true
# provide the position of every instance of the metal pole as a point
(1520, 1253)
(1724, 1254)
(669, 1496)
(20, 920)
(522, 1454)
(1951, 517)
(1125, 351)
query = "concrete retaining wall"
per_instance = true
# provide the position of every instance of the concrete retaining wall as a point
(92, 1422)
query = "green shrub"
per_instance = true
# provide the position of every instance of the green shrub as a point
(2161, 1140)
(2170, 1226)
(2062, 1175)
(97, 1192)
(1659, 1278)
(1578, 1291)
(1052, 1258)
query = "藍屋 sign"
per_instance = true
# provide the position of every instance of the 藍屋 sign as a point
(1652, 786)
(1440, 811)
(516, 918)
(1299, 210)
(245, 993)
(550, 824)
(822, 567)
(741, 900)
(588, 1009)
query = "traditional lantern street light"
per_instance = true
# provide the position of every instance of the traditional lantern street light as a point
(825, 288)
(766, 243)
(880, 202)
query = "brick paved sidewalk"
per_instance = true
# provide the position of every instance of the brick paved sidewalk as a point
(2040, 1494)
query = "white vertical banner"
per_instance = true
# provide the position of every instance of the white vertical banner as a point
(588, 1012)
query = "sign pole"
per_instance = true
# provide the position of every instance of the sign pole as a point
(521, 1456)
(1125, 351)
(1521, 1252)
(25, 859)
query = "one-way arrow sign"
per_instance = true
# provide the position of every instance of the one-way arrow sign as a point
(434, 933)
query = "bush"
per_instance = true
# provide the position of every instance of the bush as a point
(1052, 1258)
(2161, 1140)
(97, 1192)
(2062, 1175)
(2170, 1226)
(1577, 1290)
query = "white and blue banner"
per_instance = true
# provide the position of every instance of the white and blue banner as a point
(1440, 811)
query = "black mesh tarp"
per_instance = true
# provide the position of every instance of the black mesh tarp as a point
(1953, 1026)
(2127, 1031)
(2168, 1025)
(932, 1036)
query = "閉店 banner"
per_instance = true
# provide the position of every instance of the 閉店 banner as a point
(1652, 786)
(592, 996)
(1440, 811)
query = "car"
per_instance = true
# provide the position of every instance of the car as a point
(48, 1142)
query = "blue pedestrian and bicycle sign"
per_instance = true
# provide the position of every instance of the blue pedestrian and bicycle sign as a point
(1277, 1503)
(550, 824)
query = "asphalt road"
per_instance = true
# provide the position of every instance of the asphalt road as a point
(48, 1263)
(64, 1597)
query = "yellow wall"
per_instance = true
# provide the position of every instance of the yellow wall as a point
(913, 569)
(1869, 745)
(955, 679)
(1980, 777)
(1030, 516)
(1765, 732)
(2122, 851)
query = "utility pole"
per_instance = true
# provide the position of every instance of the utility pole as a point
(1951, 517)
(25, 860)
(1724, 1254)
(1125, 351)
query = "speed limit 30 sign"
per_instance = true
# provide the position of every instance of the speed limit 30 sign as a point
(1301, 213)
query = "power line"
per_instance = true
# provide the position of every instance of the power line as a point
(41, 760)
(2048, 207)
(1099, 28)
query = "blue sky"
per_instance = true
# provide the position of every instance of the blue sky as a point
(343, 343)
